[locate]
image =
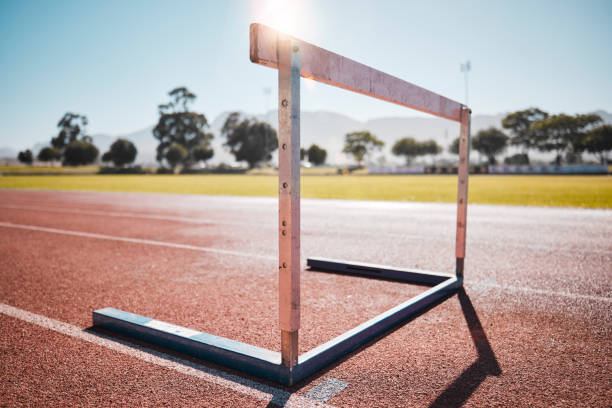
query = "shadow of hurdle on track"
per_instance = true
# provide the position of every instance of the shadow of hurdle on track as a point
(486, 364)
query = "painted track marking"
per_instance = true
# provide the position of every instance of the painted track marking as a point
(325, 390)
(250, 223)
(246, 254)
(480, 285)
(134, 240)
(220, 378)
(127, 214)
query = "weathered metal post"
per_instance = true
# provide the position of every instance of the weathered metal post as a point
(289, 198)
(462, 189)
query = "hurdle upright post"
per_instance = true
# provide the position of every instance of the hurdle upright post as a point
(462, 188)
(289, 198)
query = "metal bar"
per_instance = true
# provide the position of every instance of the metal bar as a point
(462, 188)
(241, 356)
(377, 271)
(289, 197)
(262, 362)
(334, 349)
(333, 69)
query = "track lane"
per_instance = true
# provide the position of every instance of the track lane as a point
(236, 390)
(425, 236)
(233, 297)
(430, 359)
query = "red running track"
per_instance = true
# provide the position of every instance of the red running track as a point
(532, 328)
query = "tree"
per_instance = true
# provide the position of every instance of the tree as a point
(361, 144)
(454, 146)
(316, 155)
(431, 148)
(178, 125)
(303, 153)
(519, 158)
(598, 141)
(47, 154)
(80, 152)
(71, 126)
(409, 148)
(490, 142)
(202, 152)
(175, 154)
(564, 133)
(586, 123)
(26, 157)
(249, 139)
(71, 142)
(520, 124)
(121, 152)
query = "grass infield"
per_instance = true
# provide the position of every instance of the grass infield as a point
(44, 170)
(558, 191)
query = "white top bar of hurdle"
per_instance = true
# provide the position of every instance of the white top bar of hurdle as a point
(333, 69)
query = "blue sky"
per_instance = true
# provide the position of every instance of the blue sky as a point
(115, 61)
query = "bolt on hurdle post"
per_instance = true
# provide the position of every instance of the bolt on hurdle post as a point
(289, 198)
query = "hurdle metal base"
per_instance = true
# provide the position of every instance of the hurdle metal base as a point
(267, 364)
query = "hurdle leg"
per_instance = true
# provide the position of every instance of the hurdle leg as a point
(289, 198)
(462, 189)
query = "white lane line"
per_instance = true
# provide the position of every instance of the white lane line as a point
(340, 229)
(480, 285)
(220, 378)
(325, 390)
(134, 240)
(127, 214)
(246, 254)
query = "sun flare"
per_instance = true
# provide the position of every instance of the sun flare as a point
(283, 15)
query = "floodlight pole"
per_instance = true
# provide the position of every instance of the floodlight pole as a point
(465, 68)
(289, 198)
(462, 187)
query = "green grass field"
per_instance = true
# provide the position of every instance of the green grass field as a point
(563, 191)
(43, 170)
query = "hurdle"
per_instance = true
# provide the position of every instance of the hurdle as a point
(294, 58)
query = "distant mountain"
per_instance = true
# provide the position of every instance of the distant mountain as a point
(606, 116)
(8, 153)
(327, 129)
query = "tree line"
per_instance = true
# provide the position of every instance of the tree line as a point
(568, 136)
(185, 140)
(530, 129)
(74, 147)
(363, 144)
(183, 135)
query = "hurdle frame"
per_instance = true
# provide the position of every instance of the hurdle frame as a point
(294, 58)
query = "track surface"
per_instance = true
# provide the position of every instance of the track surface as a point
(532, 328)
